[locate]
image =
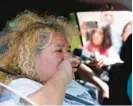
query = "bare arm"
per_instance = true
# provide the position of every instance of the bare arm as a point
(96, 80)
(52, 92)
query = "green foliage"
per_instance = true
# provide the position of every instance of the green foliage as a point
(75, 39)
(9, 25)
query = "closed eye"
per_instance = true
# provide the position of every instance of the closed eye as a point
(58, 50)
(69, 51)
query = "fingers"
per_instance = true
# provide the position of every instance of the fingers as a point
(100, 64)
(74, 62)
(74, 69)
(70, 64)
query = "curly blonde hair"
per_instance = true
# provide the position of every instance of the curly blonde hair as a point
(20, 21)
(31, 34)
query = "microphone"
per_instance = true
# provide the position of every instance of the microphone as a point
(79, 52)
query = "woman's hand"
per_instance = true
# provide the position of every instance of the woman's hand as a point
(100, 64)
(100, 61)
(68, 67)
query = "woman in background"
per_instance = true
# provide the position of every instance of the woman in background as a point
(101, 47)
(127, 31)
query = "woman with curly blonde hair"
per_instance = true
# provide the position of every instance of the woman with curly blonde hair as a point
(39, 61)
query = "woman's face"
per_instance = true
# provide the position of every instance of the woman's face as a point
(97, 37)
(49, 59)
